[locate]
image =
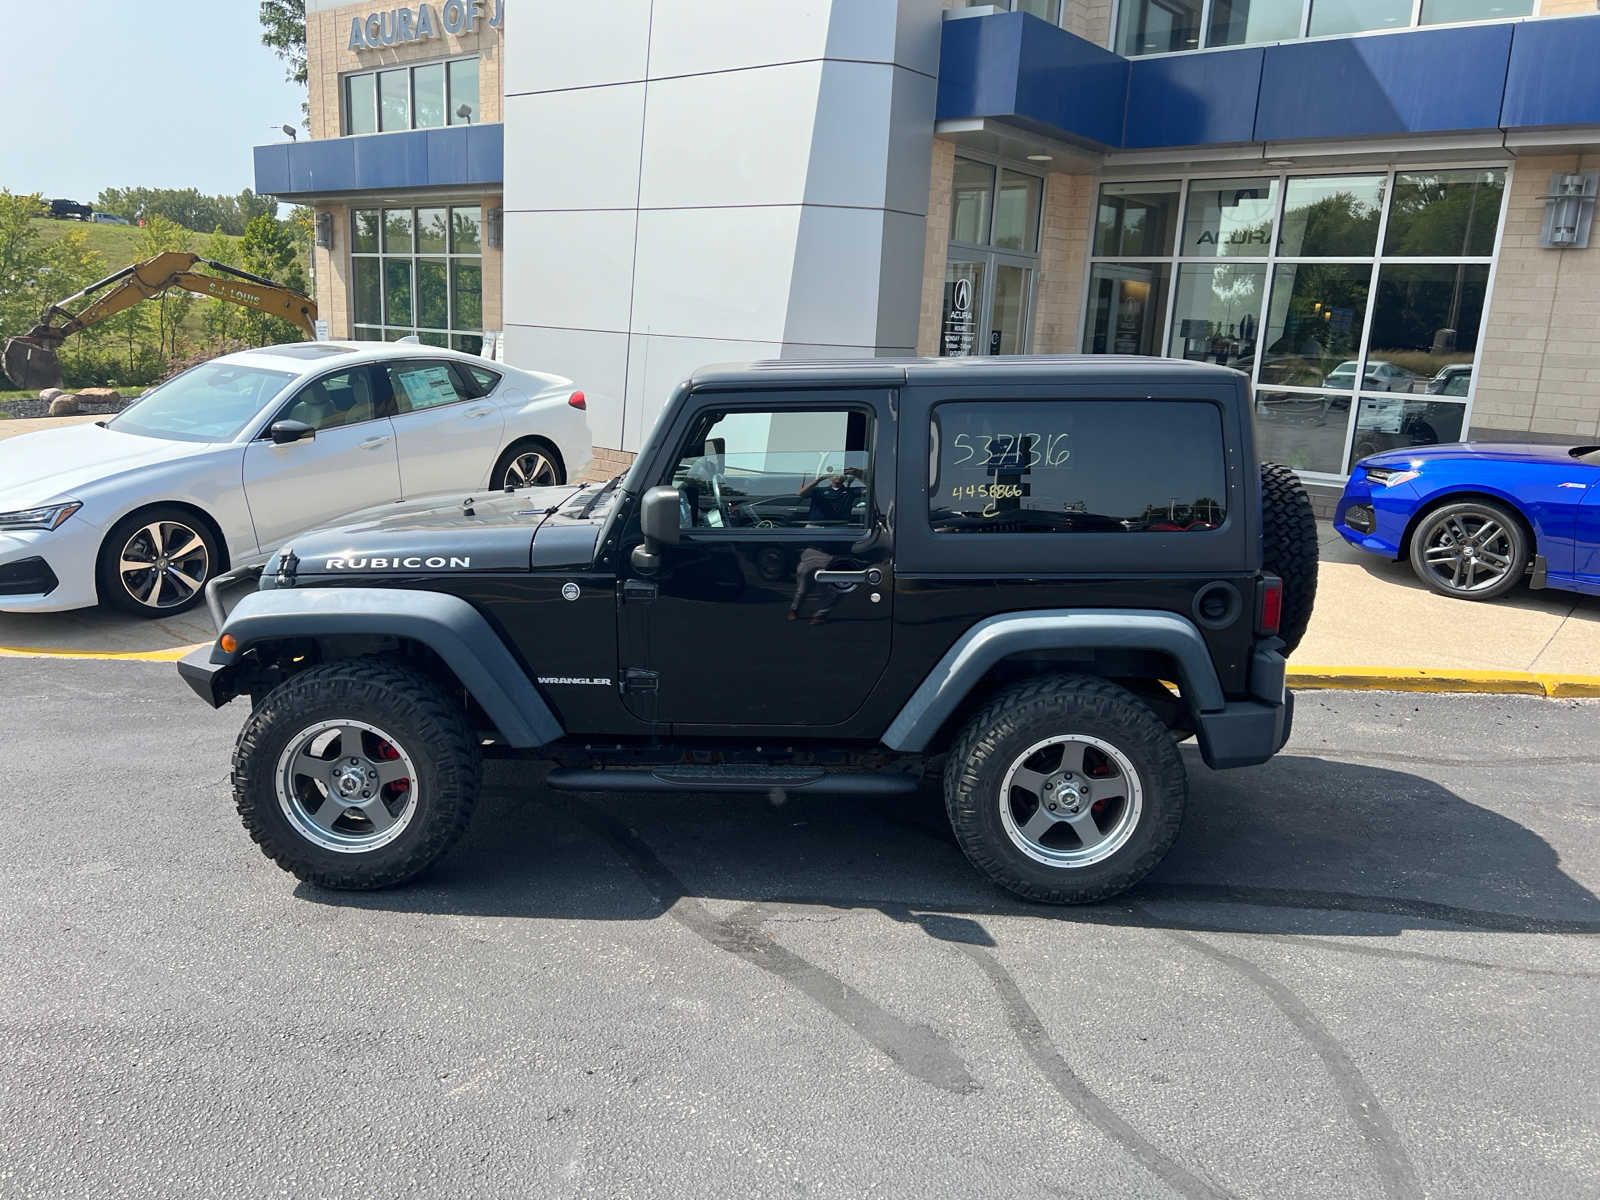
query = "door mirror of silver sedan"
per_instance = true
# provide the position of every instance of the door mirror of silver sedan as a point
(284, 432)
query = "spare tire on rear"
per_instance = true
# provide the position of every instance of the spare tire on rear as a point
(1289, 547)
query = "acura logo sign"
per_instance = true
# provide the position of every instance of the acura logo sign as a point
(962, 298)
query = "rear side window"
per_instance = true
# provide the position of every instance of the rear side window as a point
(1077, 466)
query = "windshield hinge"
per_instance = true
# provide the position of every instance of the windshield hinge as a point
(639, 591)
(638, 680)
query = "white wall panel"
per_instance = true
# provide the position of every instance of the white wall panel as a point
(720, 273)
(576, 44)
(569, 269)
(574, 149)
(833, 296)
(595, 362)
(657, 364)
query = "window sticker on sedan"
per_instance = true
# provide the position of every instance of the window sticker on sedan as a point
(427, 387)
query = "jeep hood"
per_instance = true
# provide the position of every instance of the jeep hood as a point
(431, 536)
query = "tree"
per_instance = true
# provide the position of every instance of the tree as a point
(283, 30)
(221, 317)
(270, 247)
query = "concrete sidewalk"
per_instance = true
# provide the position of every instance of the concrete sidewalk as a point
(16, 426)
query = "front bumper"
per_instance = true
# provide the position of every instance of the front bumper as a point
(66, 555)
(203, 670)
(1375, 519)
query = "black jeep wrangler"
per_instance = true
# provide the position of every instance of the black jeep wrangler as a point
(816, 578)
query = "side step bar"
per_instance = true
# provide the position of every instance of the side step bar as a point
(735, 778)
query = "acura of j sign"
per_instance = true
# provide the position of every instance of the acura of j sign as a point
(453, 17)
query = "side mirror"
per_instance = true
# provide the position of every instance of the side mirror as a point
(658, 518)
(284, 432)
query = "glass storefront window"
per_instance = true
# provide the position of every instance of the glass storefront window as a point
(1008, 319)
(1444, 213)
(1314, 328)
(1357, 16)
(1228, 218)
(1016, 211)
(1331, 216)
(464, 91)
(1127, 308)
(969, 202)
(1240, 22)
(1136, 220)
(1158, 26)
(427, 90)
(1394, 422)
(417, 271)
(1425, 323)
(1216, 315)
(1302, 430)
(432, 230)
(426, 96)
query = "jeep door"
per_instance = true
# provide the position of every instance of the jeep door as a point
(774, 608)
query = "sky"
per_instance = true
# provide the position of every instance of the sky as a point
(130, 93)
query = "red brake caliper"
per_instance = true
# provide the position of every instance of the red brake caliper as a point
(389, 754)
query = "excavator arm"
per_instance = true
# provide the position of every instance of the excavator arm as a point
(31, 362)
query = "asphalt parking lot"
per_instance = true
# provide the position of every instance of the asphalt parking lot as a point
(1368, 969)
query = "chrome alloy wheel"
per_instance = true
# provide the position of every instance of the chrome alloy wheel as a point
(531, 469)
(1070, 801)
(346, 786)
(163, 564)
(1469, 551)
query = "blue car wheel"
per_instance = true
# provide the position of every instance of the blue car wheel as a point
(1473, 550)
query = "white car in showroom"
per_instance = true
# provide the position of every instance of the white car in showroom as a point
(219, 466)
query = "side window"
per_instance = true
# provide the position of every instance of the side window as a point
(788, 469)
(486, 379)
(423, 385)
(344, 398)
(1078, 466)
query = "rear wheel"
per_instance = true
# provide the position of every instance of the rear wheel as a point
(157, 562)
(1065, 789)
(358, 774)
(529, 464)
(1289, 548)
(1472, 550)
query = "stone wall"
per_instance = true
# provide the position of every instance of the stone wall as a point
(937, 246)
(1539, 366)
(1063, 242)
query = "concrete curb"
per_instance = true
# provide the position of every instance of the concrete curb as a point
(1427, 679)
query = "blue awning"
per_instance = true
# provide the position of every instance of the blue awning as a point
(460, 156)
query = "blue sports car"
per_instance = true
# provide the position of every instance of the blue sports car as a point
(1478, 517)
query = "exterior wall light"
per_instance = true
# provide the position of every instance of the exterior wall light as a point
(1569, 209)
(324, 231)
(495, 234)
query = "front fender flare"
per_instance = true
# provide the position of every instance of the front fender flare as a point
(996, 638)
(448, 625)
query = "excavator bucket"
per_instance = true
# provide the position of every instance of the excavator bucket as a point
(31, 366)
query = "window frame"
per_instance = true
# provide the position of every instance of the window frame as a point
(289, 401)
(453, 331)
(758, 401)
(994, 257)
(1272, 261)
(383, 368)
(410, 69)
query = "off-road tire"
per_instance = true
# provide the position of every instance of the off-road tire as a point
(422, 718)
(1289, 548)
(1015, 719)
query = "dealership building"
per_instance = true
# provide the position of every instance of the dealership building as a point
(1379, 209)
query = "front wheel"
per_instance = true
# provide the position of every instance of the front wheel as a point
(1472, 550)
(1065, 789)
(156, 563)
(357, 774)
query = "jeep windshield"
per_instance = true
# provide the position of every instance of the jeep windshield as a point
(209, 403)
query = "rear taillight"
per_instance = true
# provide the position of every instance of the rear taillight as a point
(577, 401)
(1269, 606)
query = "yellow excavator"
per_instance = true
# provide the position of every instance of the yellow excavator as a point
(30, 360)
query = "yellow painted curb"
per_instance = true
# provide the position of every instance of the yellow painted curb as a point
(172, 655)
(1425, 679)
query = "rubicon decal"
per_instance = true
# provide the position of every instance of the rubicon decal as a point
(411, 562)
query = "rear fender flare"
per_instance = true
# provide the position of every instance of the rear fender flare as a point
(448, 625)
(1000, 637)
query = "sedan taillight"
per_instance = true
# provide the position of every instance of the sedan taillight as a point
(578, 402)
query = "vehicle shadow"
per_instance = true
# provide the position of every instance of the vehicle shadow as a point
(1302, 845)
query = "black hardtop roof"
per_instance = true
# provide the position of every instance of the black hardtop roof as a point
(978, 369)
